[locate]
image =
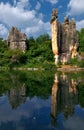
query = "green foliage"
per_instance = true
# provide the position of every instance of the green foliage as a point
(73, 61)
(35, 83)
(3, 46)
(3, 50)
(81, 94)
(17, 56)
(76, 62)
(42, 38)
(81, 40)
(40, 51)
(38, 83)
(31, 42)
(10, 57)
(77, 75)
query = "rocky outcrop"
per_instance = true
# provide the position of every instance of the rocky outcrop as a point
(64, 97)
(17, 96)
(64, 38)
(16, 40)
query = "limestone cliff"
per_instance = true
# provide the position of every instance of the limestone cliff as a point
(64, 38)
(16, 40)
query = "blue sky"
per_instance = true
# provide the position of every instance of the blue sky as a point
(33, 16)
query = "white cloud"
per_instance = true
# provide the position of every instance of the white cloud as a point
(38, 6)
(39, 29)
(14, 16)
(80, 24)
(52, 1)
(15, 2)
(30, 106)
(29, 21)
(25, 4)
(3, 31)
(76, 7)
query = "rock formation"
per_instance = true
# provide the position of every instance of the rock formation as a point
(16, 40)
(54, 99)
(64, 97)
(54, 23)
(64, 38)
(17, 96)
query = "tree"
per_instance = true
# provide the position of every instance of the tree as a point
(3, 49)
(30, 42)
(40, 50)
(43, 38)
(81, 40)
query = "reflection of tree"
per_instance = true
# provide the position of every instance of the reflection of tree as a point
(19, 85)
(64, 96)
(81, 94)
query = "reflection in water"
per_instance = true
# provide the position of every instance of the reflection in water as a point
(64, 97)
(26, 101)
(54, 101)
(17, 96)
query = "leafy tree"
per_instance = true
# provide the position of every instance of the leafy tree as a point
(30, 42)
(3, 49)
(10, 57)
(40, 50)
(42, 38)
(81, 40)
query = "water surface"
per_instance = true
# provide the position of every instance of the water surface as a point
(41, 101)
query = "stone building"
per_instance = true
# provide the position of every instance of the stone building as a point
(16, 40)
(64, 38)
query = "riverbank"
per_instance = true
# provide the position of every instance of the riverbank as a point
(69, 68)
(66, 68)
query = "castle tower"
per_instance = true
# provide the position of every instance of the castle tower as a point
(54, 26)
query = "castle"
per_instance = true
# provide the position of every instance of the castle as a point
(64, 38)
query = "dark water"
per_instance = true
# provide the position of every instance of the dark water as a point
(41, 101)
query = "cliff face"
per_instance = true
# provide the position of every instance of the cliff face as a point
(16, 40)
(65, 37)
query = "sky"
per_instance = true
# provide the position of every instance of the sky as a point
(32, 17)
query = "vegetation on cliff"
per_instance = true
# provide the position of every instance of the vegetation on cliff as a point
(81, 40)
(39, 53)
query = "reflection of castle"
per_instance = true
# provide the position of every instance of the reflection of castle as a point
(64, 96)
(17, 96)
